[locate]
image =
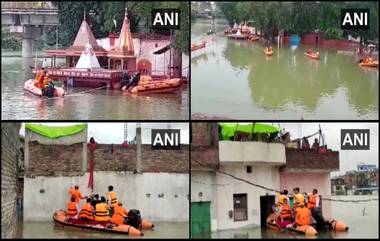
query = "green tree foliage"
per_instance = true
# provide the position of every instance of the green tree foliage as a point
(7, 41)
(300, 17)
(101, 16)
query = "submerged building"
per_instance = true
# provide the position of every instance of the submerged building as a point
(235, 182)
(126, 51)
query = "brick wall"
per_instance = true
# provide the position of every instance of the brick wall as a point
(204, 145)
(50, 160)
(165, 161)
(310, 159)
(9, 158)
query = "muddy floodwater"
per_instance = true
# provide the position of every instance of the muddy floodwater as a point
(101, 104)
(362, 219)
(235, 80)
(49, 230)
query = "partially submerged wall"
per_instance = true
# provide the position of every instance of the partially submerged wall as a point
(158, 196)
(307, 181)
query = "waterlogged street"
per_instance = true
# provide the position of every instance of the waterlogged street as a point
(100, 104)
(49, 230)
(362, 224)
(234, 79)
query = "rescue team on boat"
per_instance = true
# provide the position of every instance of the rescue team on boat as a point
(102, 214)
(305, 216)
(42, 85)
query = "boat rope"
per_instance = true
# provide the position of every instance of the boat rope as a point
(79, 93)
(274, 190)
(87, 91)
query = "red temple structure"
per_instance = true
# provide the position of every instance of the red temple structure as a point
(73, 52)
(118, 59)
(122, 56)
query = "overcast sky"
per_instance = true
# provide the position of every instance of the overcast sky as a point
(348, 159)
(114, 132)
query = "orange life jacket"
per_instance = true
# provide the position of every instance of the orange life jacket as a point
(101, 212)
(118, 215)
(312, 201)
(285, 211)
(113, 198)
(39, 79)
(72, 209)
(75, 193)
(303, 216)
(281, 198)
(87, 212)
(299, 199)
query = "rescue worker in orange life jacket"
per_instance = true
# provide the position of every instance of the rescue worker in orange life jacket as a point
(119, 215)
(111, 200)
(285, 211)
(303, 216)
(72, 208)
(283, 195)
(76, 193)
(101, 211)
(313, 199)
(87, 211)
(298, 198)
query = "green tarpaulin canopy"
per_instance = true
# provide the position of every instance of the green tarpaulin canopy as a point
(54, 132)
(229, 129)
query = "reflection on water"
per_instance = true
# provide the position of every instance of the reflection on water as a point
(235, 79)
(49, 230)
(102, 104)
(360, 226)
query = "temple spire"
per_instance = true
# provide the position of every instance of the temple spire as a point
(84, 14)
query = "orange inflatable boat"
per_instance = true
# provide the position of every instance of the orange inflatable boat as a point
(29, 86)
(372, 64)
(60, 218)
(198, 46)
(312, 55)
(308, 230)
(337, 225)
(157, 86)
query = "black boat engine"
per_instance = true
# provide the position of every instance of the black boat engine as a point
(134, 218)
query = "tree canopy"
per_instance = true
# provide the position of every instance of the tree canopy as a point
(300, 17)
(101, 16)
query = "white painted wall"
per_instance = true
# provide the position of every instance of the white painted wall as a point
(265, 175)
(219, 189)
(252, 151)
(132, 190)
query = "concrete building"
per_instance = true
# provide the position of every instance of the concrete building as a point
(9, 181)
(227, 178)
(156, 182)
(308, 169)
(231, 203)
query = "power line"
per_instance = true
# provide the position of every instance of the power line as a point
(277, 191)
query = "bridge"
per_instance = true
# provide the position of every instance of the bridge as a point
(26, 21)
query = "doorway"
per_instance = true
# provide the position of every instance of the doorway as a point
(266, 203)
(200, 218)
